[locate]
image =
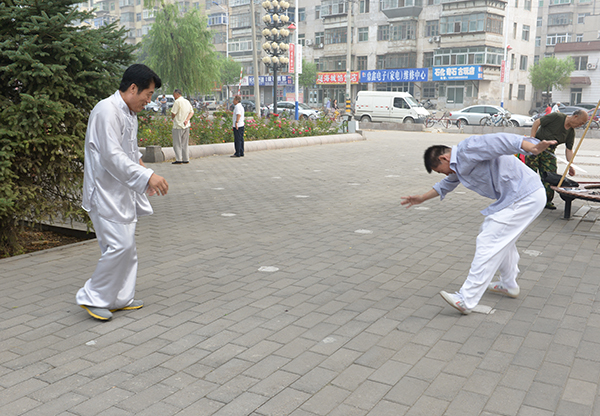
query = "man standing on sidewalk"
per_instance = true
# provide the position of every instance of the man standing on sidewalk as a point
(238, 126)
(115, 181)
(487, 165)
(181, 114)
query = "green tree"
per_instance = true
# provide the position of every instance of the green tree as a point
(180, 48)
(52, 72)
(550, 73)
(229, 72)
(308, 77)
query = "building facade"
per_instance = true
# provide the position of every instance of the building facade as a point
(474, 51)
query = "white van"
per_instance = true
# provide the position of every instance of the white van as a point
(398, 107)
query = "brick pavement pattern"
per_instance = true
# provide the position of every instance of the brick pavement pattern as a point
(292, 282)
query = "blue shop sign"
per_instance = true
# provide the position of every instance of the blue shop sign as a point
(268, 80)
(457, 73)
(395, 75)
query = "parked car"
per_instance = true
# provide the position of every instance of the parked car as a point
(249, 106)
(304, 111)
(476, 113)
(152, 106)
(589, 106)
(570, 109)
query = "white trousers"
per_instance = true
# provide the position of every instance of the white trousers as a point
(181, 141)
(112, 285)
(496, 248)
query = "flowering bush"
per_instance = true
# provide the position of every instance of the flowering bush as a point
(156, 130)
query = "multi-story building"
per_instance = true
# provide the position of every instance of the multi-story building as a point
(461, 45)
(571, 28)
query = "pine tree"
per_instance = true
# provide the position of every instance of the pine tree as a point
(53, 70)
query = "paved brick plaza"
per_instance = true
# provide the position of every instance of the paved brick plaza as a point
(292, 282)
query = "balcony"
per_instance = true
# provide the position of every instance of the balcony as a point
(401, 8)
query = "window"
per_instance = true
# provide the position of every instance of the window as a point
(217, 19)
(576, 94)
(513, 61)
(334, 36)
(333, 7)
(510, 88)
(579, 37)
(395, 4)
(521, 92)
(527, 5)
(560, 19)
(127, 17)
(383, 32)
(538, 41)
(516, 4)
(149, 14)
(302, 39)
(333, 63)
(539, 22)
(234, 3)
(397, 60)
(123, 3)
(317, 12)
(428, 90)
(478, 55)
(363, 6)
(515, 30)
(581, 17)
(523, 63)
(432, 28)
(428, 60)
(240, 44)
(560, 2)
(403, 30)
(219, 38)
(361, 63)
(363, 34)
(301, 14)
(239, 21)
(525, 33)
(557, 38)
(112, 7)
(319, 38)
(580, 62)
(138, 17)
(477, 22)
(536, 59)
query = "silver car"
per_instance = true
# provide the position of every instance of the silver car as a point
(476, 113)
(304, 111)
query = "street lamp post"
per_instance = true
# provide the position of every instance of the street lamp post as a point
(276, 36)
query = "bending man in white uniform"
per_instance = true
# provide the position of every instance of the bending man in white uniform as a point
(487, 165)
(114, 186)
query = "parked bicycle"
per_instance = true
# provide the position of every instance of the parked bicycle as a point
(497, 120)
(443, 120)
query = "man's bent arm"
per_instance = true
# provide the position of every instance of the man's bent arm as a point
(539, 147)
(535, 127)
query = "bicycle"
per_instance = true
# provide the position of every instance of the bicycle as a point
(444, 120)
(497, 120)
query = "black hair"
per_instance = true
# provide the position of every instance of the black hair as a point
(141, 76)
(432, 156)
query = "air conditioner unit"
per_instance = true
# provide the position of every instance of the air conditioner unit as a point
(437, 39)
(430, 40)
(309, 42)
(591, 67)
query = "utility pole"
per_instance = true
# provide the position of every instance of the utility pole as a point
(255, 60)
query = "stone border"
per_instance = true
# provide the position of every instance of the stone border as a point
(205, 150)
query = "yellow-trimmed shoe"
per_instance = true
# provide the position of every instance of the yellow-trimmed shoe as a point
(101, 314)
(135, 304)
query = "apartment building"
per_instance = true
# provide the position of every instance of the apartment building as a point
(571, 28)
(450, 52)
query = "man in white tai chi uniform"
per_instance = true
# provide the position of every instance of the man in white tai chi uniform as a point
(487, 165)
(114, 186)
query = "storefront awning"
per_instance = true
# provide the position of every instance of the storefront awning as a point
(581, 80)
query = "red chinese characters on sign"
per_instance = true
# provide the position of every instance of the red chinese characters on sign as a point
(336, 77)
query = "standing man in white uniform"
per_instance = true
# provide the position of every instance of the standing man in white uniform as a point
(181, 114)
(487, 165)
(114, 186)
(238, 127)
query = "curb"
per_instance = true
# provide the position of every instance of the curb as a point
(205, 150)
